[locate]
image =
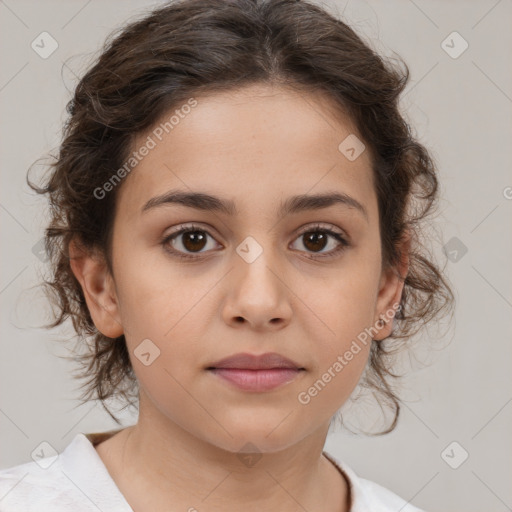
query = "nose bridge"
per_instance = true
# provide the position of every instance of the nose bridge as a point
(256, 261)
(257, 292)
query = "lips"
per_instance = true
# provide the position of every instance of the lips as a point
(266, 361)
(256, 373)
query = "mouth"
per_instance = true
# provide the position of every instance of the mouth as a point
(256, 373)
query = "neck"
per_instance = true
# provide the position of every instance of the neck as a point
(156, 462)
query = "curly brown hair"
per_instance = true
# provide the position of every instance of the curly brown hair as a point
(189, 47)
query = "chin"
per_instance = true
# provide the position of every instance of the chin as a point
(262, 437)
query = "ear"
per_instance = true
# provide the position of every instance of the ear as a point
(98, 287)
(390, 291)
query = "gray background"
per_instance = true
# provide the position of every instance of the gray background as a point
(461, 109)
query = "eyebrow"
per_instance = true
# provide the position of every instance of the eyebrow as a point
(294, 204)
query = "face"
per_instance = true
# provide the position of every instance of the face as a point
(301, 282)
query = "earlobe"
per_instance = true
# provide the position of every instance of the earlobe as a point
(91, 271)
(390, 292)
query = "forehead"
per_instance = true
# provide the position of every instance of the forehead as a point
(256, 146)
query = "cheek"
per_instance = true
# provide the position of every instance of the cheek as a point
(172, 319)
(161, 326)
(339, 362)
(344, 306)
(157, 297)
(340, 337)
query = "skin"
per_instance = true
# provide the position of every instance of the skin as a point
(255, 146)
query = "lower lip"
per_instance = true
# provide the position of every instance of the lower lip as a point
(257, 380)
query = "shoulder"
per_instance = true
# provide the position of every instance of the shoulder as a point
(367, 495)
(74, 480)
(29, 487)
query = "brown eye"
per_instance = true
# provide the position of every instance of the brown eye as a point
(317, 238)
(187, 241)
(193, 240)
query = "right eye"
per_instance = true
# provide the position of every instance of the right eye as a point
(190, 238)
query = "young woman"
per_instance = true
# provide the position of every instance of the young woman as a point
(237, 209)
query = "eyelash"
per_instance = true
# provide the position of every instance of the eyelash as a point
(311, 229)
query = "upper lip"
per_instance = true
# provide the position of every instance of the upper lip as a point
(256, 362)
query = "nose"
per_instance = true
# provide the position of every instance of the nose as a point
(257, 296)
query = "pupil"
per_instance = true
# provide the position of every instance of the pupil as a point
(192, 239)
(318, 241)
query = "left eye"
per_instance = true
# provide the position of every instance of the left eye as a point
(317, 238)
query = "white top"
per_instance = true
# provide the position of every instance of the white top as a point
(77, 480)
